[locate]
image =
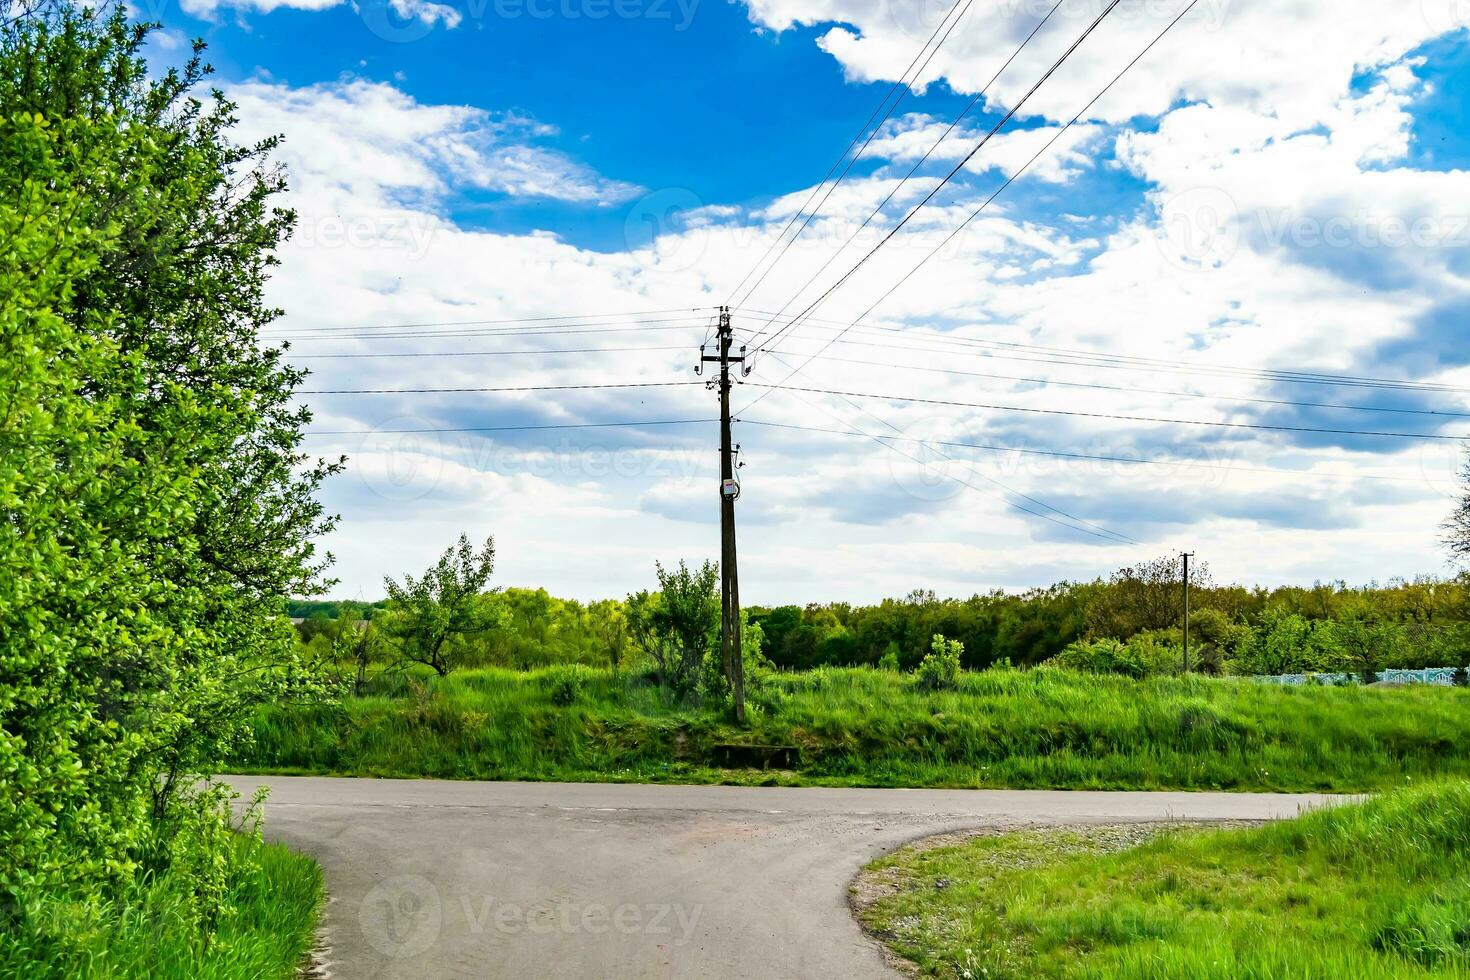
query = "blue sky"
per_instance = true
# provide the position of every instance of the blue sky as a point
(1269, 190)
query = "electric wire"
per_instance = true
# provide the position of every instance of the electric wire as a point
(1094, 530)
(895, 88)
(1010, 180)
(1010, 113)
(1258, 426)
(915, 168)
(1102, 457)
(904, 86)
(517, 388)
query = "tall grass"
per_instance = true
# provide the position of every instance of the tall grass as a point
(1380, 889)
(1037, 728)
(148, 933)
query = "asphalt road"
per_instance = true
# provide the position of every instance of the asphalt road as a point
(457, 879)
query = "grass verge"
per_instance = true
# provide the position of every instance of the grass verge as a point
(1374, 890)
(999, 728)
(275, 905)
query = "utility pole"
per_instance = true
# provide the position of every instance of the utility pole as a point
(1186, 555)
(730, 653)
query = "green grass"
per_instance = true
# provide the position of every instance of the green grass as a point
(149, 934)
(1376, 890)
(1038, 728)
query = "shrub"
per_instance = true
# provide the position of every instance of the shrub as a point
(940, 669)
(889, 660)
(1105, 656)
(567, 685)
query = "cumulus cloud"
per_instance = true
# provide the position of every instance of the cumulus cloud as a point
(1251, 223)
(373, 143)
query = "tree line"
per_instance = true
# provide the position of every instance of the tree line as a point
(1131, 622)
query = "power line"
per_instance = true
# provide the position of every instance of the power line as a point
(1075, 357)
(1105, 415)
(1050, 382)
(1091, 529)
(1098, 457)
(922, 160)
(488, 333)
(1036, 156)
(490, 353)
(441, 391)
(1153, 391)
(898, 85)
(1112, 4)
(1137, 58)
(503, 428)
(593, 317)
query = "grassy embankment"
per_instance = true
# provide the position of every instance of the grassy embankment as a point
(1040, 728)
(1377, 890)
(147, 934)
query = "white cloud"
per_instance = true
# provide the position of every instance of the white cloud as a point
(373, 143)
(1249, 164)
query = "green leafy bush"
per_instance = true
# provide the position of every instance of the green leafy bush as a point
(157, 505)
(940, 670)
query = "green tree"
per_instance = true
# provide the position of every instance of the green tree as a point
(676, 625)
(158, 508)
(443, 605)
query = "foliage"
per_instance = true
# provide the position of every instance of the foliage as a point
(1145, 655)
(157, 505)
(1148, 596)
(889, 660)
(146, 931)
(1038, 728)
(940, 670)
(677, 625)
(1374, 890)
(427, 615)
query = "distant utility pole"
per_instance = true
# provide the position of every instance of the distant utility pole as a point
(1186, 555)
(730, 653)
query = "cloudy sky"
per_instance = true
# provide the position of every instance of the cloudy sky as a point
(1225, 310)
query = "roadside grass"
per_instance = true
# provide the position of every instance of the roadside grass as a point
(275, 906)
(1040, 728)
(1373, 890)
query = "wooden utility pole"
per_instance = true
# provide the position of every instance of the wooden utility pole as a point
(730, 652)
(1186, 555)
